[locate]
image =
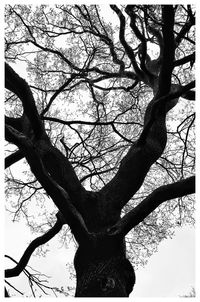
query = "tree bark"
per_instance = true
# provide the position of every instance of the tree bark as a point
(102, 269)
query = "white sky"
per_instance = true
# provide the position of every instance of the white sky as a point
(169, 273)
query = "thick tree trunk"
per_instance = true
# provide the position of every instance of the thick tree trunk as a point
(102, 269)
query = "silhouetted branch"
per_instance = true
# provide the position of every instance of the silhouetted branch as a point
(161, 102)
(144, 152)
(151, 202)
(13, 158)
(6, 294)
(185, 59)
(124, 43)
(185, 28)
(13, 272)
(19, 86)
(168, 50)
(14, 122)
(57, 193)
(57, 93)
(143, 46)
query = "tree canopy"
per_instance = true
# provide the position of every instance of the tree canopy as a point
(99, 123)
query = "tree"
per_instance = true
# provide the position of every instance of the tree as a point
(91, 127)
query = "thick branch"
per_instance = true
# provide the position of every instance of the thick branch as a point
(167, 102)
(13, 158)
(14, 122)
(190, 58)
(189, 95)
(144, 152)
(168, 50)
(56, 192)
(55, 162)
(13, 272)
(151, 202)
(61, 170)
(19, 86)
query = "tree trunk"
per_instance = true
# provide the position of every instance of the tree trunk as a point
(102, 269)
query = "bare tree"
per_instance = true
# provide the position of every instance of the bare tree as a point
(91, 125)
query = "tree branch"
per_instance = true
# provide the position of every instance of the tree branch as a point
(6, 294)
(167, 102)
(57, 93)
(151, 202)
(55, 162)
(189, 95)
(13, 272)
(190, 58)
(19, 86)
(13, 158)
(126, 46)
(185, 29)
(144, 152)
(168, 50)
(57, 193)
(14, 122)
(143, 46)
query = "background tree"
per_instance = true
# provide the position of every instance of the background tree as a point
(89, 127)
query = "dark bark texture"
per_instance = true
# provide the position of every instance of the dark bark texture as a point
(102, 269)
